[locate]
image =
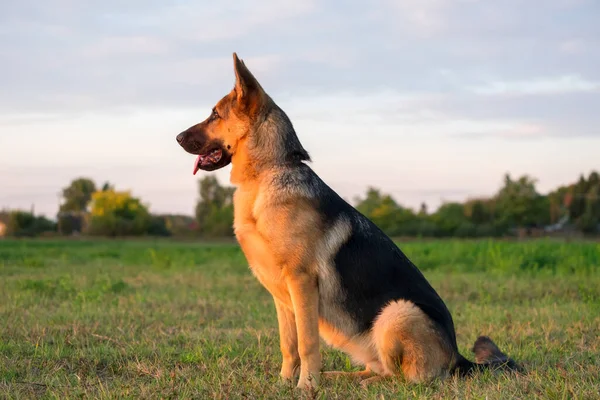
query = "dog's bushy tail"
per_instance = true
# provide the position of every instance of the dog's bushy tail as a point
(487, 357)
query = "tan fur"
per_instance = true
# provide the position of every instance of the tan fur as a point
(288, 340)
(280, 256)
(402, 340)
(405, 338)
(359, 376)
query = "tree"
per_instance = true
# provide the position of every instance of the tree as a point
(387, 214)
(589, 221)
(372, 200)
(449, 217)
(214, 210)
(519, 204)
(76, 198)
(77, 195)
(116, 213)
(481, 216)
(423, 210)
(559, 202)
(578, 191)
(593, 179)
(479, 211)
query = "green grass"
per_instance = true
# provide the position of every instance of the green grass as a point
(144, 319)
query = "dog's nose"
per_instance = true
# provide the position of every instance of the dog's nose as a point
(180, 137)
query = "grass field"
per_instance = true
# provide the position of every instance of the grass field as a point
(144, 319)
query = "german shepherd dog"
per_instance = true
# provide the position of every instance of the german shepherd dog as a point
(332, 273)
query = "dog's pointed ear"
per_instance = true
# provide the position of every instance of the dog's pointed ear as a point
(245, 82)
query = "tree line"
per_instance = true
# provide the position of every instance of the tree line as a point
(516, 207)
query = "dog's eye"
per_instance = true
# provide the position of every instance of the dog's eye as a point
(214, 114)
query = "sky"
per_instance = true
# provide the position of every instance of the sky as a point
(428, 100)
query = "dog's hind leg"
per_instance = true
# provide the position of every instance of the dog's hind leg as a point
(355, 376)
(368, 372)
(406, 340)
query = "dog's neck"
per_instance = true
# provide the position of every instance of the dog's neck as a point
(243, 168)
(247, 167)
(271, 145)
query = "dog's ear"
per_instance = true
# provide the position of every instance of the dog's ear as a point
(245, 83)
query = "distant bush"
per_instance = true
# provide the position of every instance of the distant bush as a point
(70, 223)
(466, 230)
(180, 225)
(23, 223)
(118, 214)
(158, 226)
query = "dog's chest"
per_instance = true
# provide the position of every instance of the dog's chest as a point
(258, 250)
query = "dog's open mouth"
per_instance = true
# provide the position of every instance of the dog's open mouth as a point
(206, 160)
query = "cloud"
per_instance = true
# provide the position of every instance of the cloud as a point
(387, 114)
(126, 45)
(205, 22)
(573, 46)
(379, 107)
(424, 17)
(61, 56)
(539, 86)
(503, 130)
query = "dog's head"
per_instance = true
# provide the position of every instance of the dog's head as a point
(216, 139)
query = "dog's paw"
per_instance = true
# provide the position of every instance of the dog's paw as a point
(289, 371)
(308, 382)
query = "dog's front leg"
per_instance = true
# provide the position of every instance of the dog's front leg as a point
(288, 341)
(305, 299)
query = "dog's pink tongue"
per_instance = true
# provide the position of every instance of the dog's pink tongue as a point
(197, 163)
